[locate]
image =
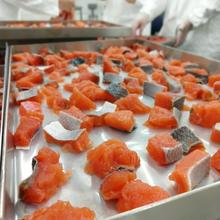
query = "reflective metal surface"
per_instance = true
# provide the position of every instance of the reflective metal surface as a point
(82, 189)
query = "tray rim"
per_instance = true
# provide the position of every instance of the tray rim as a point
(4, 122)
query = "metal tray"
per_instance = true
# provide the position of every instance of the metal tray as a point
(201, 203)
(54, 33)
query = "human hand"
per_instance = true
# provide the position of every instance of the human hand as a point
(182, 33)
(139, 23)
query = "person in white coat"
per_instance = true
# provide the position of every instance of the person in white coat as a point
(194, 24)
(124, 12)
(28, 9)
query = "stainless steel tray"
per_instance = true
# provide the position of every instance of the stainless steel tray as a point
(201, 203)
(92, 31)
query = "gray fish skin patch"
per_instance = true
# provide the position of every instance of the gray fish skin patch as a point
(112, 78)
(27, 94)
(150, 89)
(178, 102)
(148, 69)
(197, 172)
(116, 90)
(203, 78)
(185, 136)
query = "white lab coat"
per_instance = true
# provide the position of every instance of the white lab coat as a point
(28, 9)
(204, 15)
(124, 13)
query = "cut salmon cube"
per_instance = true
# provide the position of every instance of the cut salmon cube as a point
(189, 78)
(48, 177)
(176, 71)
(57, 103)
(215, 160)
(205, 114)
(109, 66)
(216, 87)
(25, 131)
(137, 193)
(81, 101)
(132, 103)
(121, 120)
(31, 109)
(133, 86)
(215, 135)
(86, 75)
(161, 118)
(113, 184)
(191, 170)
(109, 156)
(213, 78)
(159, 78)
(87, 122)
(139, 74)
(82, 143)
(62, 210)
(164, 149)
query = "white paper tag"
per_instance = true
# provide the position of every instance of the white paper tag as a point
(27, 94)
(58, 132)
(68, 121)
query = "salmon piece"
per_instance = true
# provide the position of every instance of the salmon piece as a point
(175, 63)
(169, 100)
(25, 131)
(81, 101)
(113, 184)
(215, 161)
(164, 149)
(132, 103)
(205, 114)
(30, 81)
(93, 92)
(159, 78)
(139, 74)
(191, 170)
(61, 210)
(216, 87)
(161, 118)
(48, 91)
(215, 135)
(47, 178)
(86, 75)
(196, 91)
(176, 71)
(189, 78)
(158, 62)
(213, 78)
(87, 122)
(56, 60)
(137, 193)
(57, 103)
(31, 109)
(109, 156)
(133, 86)
(20, 70)
(109, 66)
(128, 66)
(82, 143)
(98, 121)
(56, 76)
(121, 120)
